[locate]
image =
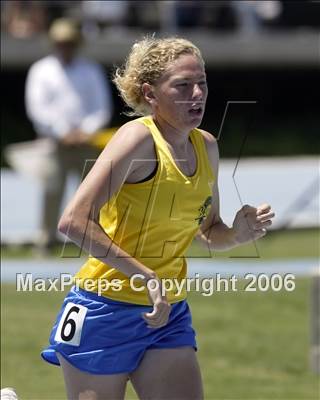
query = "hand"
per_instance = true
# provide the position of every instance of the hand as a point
(250, 223)
(161, 308)
(76, 137)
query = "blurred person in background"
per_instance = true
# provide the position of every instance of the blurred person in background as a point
(177, 15)
(254, 16)
(100, 15)
(23, 19)
(68, 100)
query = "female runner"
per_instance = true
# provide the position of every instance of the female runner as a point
(150, 192)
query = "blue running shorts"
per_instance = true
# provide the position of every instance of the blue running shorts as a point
(103, 336)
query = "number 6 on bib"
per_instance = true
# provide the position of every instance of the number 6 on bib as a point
(70, 325)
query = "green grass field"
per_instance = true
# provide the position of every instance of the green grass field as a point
(252, 345)
(297, 243)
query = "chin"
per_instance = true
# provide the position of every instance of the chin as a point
(195, 122)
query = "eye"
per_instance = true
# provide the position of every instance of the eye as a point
(202, 83)
(182, 84)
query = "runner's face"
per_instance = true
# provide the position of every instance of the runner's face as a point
(181, 93)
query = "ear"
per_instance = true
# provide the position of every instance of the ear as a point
(148, 94)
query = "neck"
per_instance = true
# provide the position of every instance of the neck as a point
(178, 138)
(66, 61)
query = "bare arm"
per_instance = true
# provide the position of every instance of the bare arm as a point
(249, 223)
(80, 220)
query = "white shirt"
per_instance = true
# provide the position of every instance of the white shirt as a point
(61, 97)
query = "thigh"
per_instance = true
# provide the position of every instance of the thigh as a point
(168, 374)
(84, 386)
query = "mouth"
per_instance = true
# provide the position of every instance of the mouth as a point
(196, 110)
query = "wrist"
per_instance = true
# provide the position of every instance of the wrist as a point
(152, 276)
(146, 276)
(156, 292)
(234, 237)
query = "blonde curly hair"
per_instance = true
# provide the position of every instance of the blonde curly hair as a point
(146, 62)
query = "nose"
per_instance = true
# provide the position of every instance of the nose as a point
(197, 92)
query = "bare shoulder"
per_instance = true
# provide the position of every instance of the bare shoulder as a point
(209, 138)
(212, 147)
(134, 132)
(132, 137)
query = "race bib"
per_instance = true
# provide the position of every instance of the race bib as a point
(70, 325)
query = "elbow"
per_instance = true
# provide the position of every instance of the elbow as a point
(71, 226)
(75, 220)
(64, 225)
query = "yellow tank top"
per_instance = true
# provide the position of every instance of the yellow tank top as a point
(154, 221)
